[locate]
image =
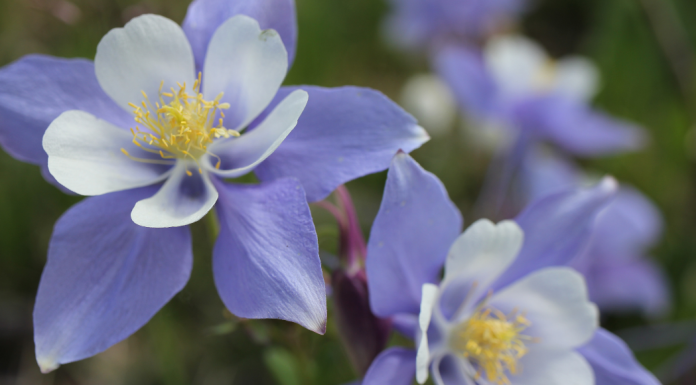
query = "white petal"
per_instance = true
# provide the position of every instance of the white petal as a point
(516, 63)
(422, 360)
(429, 297)
(553, 368)
(430, 101)
(150, 49)
(84, 155)
(555, 301)
(458, 372)
(240, 155)
(577, 77)
(248, 65)
(182, 199)
(483, 252)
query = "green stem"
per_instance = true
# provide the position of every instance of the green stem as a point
(212, 225)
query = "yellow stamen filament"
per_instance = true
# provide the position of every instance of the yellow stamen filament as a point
(493, 342)
(545, 78)
(153, 161)
(181, 128)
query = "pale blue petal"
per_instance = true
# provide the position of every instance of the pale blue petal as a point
(266, 259)
(411, 235)
(558, 228)
(105, 278)
(423, 24)
(629, 286)
(618, 277)
(205, 16)
(464, 70)
(576, 127)
(395, 366)
(406, 324)
(629, 226)
(613, 362)
(344, 133)
(544, 174)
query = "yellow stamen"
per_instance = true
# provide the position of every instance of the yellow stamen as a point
(179, 128)
(545, 78)
(493, 342)
(152, 161)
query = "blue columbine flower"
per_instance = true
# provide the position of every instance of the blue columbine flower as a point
(515, 88)
(507, 309)
(207, 105)
(619, 275)
(417, 24)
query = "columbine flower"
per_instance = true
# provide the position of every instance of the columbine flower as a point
(417, 24)
(515, 87)
(179, 135)
(516, 94)
(524, 332)
(150, 129)
(506, 311)
(619, 274)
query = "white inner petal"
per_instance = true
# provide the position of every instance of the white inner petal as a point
(484, 250)
(248, 65)
(475, 260)
(183, 199)
(240, 155)
(149, 50)
(562, 367)
(429, 298)
(555, 301)
(84, 155)
(577, 77)
(517, 64)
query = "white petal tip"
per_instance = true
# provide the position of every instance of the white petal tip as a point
(318, 325)
(609, 184)
(320, 329)
(483, 223)
(47, 365)
(422, 134)
(162, 221)
(143, 216)
(509, 225)
(422, 375)
(268, 33)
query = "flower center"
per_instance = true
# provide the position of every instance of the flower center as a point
(545, 78)
(180, 125)
(493, 342)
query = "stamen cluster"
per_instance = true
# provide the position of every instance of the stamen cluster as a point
(492, 342)
(545, 77)
(181, 128)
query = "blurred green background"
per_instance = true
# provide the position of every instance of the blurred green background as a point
(644, 49)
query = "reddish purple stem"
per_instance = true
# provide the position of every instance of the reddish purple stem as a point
(352, 244)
